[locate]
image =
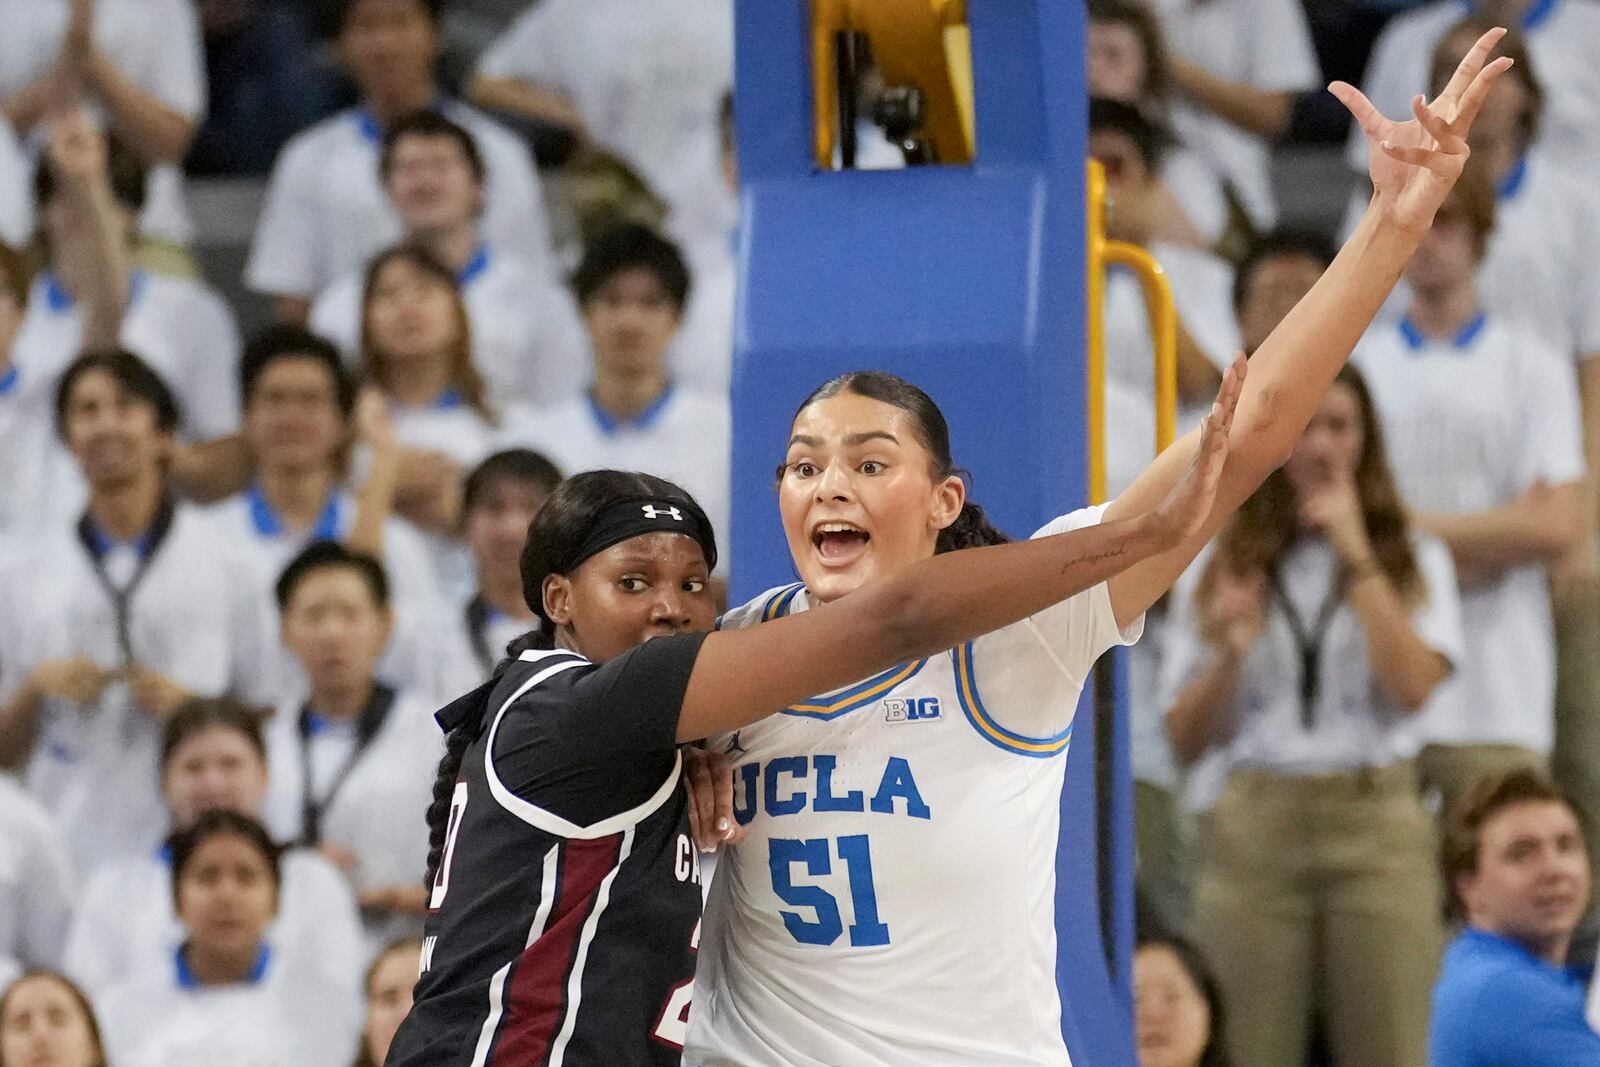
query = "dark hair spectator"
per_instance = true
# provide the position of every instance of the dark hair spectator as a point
(323, 555)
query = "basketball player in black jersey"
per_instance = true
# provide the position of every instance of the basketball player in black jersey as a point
(564, 889)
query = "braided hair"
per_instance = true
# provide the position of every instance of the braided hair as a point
(972, 528)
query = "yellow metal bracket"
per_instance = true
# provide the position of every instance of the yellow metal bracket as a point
(1104, 252)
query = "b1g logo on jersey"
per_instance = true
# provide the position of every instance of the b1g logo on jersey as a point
(911, 709)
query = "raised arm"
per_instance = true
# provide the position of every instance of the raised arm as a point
(934, 605)
(1414, 165)
(96, 240)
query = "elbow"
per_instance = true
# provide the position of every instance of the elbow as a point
(1274, 115)
(1187, 747)
(1412, 694)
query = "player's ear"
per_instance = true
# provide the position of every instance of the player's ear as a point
(557, 593)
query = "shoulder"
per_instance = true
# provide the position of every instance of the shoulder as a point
(305, 149)
(306, 871)
(1073, 520)
(492, 137)
(1415, 32)
(187, 293)
(764, 608)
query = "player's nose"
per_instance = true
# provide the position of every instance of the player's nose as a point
(833, 483)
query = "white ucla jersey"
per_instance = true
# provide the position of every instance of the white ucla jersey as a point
(893, 902)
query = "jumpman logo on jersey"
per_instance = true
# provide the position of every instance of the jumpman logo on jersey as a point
(734, 747)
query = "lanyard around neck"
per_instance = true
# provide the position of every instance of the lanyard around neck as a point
(1308, 642)
(98, 548)
(368, 723)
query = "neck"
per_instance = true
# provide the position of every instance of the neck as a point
(298, 496)
(624, 396)
(1441, 312)
(216, 966)
(343, 703)
(417, 382)
(387, 107)
(1553, 949)
(453, 245)
(126, 511)
(503, 592)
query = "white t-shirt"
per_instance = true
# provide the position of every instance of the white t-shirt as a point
(1263, 43)
(259, 546)
(1202, 291)
(894, 900)
(1541, 268)
(1470, 425)
(701, 356)
(159, 1016)
(454, 428)
(527, 339)
(326, 213)
(1352, 724)
(1198, 188)
(125, 922)
(155, 43)
(1561, 40)
(471, 651)
(40, 486)
(16, 190)
(648, 80)
(378, 810)
(94, 767)
(37, 888)
(181, 328)
(684, 437)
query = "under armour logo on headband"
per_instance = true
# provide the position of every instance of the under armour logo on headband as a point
(653, 512)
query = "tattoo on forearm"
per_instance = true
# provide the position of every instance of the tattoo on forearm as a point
(1094, 557)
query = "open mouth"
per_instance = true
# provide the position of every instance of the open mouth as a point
(839, 542)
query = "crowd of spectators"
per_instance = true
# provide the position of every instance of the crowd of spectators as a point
(239, 573)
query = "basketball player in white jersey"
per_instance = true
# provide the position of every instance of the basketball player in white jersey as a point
(892, 900)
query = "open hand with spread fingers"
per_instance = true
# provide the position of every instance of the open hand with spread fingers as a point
(1415, 163)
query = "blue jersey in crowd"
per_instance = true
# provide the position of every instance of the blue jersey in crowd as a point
(1498, 1005)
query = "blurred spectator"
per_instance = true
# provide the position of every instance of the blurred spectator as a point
(108, 629)
(136, 62)
(1235, 67)
(1542, 272)
(16, 205)
(36, 884)
(643, 82)
(632, 286)
(213, 758)
(38, 484)
(181, 327)
(526, 338)
(501, 498)
(1177, 1006)
(224, 996)
(1129, 148)
(298, 425)
(45, 1020)
(267, 83)
(1128, 63)
(416, 350)
(326, 213)
(1560, 33)
(701, 355)
(354, 764)
(1515, 866)
(388, 988)
(1303, 646)
(1482, 423)
(1277, 271)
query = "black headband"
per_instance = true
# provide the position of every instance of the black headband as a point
(644, 515)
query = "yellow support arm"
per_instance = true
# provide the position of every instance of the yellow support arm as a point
(924, 43)
(1104, 252)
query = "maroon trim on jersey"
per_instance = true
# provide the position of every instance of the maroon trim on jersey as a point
(536, 993)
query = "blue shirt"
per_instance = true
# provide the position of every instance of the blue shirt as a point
(1498, 1005)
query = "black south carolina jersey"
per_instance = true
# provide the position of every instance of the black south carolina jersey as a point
(565, 915)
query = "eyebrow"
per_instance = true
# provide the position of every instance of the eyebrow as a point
(850, 439)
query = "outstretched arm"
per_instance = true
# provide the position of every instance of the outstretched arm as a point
(1414, 165)
(744, 675)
